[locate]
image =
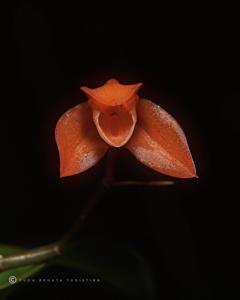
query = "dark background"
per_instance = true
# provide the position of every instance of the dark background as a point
(188, 65)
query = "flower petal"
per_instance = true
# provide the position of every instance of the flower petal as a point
(112, 93)
(160, 143)
(79, 144)
(116, 125)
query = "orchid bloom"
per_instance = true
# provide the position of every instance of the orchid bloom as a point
(115, 116)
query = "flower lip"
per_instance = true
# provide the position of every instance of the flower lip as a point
(112, 93)
(116, 125)
(114, 110)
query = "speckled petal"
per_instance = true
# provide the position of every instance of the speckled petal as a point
(160, 143)
(79, 144)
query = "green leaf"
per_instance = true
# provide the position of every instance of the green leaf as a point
(119, 265)
(16, 275)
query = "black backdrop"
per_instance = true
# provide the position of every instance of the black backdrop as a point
(189, 66)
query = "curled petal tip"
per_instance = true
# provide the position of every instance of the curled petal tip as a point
(67, 173)
(112, 81)
(191, 175)
(86, 90)
(189, 169)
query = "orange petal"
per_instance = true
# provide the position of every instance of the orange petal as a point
(79, 144)
(113, 93)
(115, 125)
(160, 143)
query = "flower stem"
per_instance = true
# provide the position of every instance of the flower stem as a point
(105, 184)
(33, 256)
(143, 183)
(44, 253)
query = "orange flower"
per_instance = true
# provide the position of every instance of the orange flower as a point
(115, 116)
